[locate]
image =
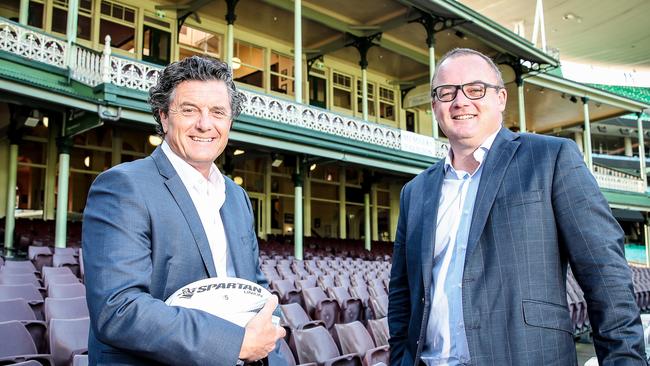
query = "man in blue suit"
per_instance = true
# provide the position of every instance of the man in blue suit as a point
(484, 238)
(154, 225)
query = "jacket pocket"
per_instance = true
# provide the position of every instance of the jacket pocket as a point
(547, 315)
(520, 198)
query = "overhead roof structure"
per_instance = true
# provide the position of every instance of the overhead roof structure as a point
(602, 33)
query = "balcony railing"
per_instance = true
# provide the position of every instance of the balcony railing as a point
(92, 68)
(613, 179)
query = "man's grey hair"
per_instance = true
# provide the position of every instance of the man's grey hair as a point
(457, 52)
(202, 68)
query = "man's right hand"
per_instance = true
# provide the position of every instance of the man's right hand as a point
(261, 334)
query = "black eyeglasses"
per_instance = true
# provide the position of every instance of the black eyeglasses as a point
(474, 90)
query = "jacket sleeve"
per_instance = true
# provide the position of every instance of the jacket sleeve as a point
(117, 244)
(594, 243)
(399, 304)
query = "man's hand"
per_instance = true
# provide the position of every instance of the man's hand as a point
(261, 335)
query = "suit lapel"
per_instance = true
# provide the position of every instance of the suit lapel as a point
(429, 214)
(230, 226)
(501, 153)
(184, 202)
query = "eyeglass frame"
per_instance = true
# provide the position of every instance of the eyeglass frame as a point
(434, 93)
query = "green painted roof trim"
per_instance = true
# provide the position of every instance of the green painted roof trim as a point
(300, 135)
(634, 201)
(42, 76)
(631, 92)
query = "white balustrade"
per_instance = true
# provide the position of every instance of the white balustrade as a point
(31, 44)
(93, 68)
(612, 179)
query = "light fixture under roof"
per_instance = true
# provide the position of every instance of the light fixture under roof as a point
(312, 167)
(155, 140)
(238, 180)
(277, 161)
(238, 152)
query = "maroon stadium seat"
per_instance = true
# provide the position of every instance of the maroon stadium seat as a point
(28, 292)
(18, 346)
(68, 337)
(66, 291)
(354, 338)
(73, 308)
(316, 345)
(321, 307)
(378, 329)
(351, 308)
(19, 310)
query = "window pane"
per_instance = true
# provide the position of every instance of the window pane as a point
(386, 111)
(200, 41)
(30, 183)
(84, 27)
(251, 64)
(371, 106)
(106, 8)
(342, 98)
(86, 5)
(59, 20)
(155, 45)
(122, 37)
(35, 17)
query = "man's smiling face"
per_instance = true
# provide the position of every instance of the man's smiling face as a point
(465, 121)
(197, 124)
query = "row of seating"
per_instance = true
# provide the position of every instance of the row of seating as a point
(43, 315)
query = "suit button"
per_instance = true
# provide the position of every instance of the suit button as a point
(417, 342)
(423, 300)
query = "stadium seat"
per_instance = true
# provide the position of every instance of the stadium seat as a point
(66, 291)
(379, 306)
(360, 292)
(40, 256)
(289, 356)
(80, 360)
(28, 292)
(26, 265)
(295, 317)
(320, 307)
(68, 337)
(66, 260)
(316, 345)
(354, 338)
(19, 279)
(325, 282)
(378, 329)
(72, 308)
(18, 346)
(54, 271)
(287, 291)
(19, 310)
(60, 279)
(308, 282)
(351, 308)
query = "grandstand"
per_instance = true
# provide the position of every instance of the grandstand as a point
(337, 120)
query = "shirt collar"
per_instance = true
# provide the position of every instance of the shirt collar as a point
(479, 154)
(189, 175)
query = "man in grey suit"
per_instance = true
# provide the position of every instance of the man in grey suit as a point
(156, 224)
(484, 238)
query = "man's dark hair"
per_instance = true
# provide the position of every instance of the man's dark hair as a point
(203, 68)
(457, 52)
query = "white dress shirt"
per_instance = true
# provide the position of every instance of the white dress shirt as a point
(208, 195)
(445, 339)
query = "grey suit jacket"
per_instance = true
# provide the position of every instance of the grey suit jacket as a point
(142, 240)
(538, 208)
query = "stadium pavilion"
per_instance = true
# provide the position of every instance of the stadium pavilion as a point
(338, 115)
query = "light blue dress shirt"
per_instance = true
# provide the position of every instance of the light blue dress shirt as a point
(445, 340)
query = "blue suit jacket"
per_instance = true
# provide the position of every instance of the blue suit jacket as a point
(142, 240)
(538, 208)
